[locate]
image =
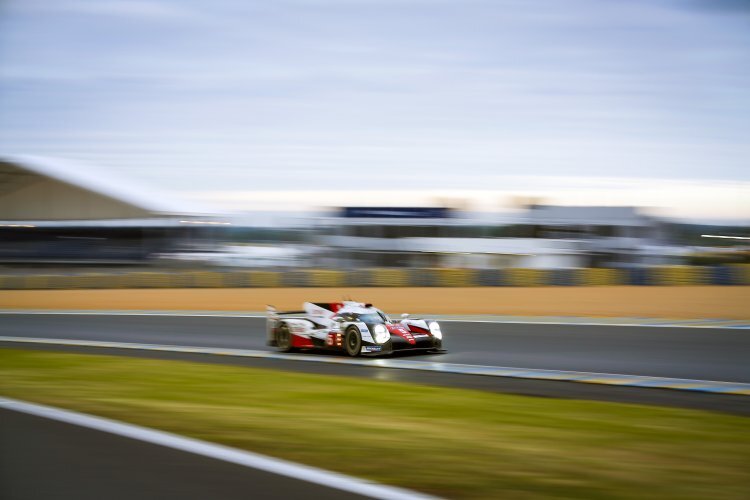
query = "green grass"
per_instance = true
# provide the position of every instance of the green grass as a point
(450, 442)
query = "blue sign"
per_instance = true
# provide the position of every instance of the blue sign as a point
(396, 212)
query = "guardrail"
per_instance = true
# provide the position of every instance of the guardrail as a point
(735, 274)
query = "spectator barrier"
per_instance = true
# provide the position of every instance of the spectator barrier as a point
(734, 274)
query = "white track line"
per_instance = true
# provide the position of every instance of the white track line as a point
(642, 322)
(293, 470)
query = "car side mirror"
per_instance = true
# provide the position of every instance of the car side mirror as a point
(338, 319)
(405, 316)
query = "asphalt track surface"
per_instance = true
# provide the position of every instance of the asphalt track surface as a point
(42, 458)
(704, 353)
(689, 353)
(82, 463)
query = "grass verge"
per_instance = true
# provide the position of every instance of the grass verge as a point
(450, 442)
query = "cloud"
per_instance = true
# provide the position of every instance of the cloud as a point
(139, 9)
(436, 94)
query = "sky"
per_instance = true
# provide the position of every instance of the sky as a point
(293, 103)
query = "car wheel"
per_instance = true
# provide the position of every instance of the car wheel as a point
(353, 341)
(283, 338)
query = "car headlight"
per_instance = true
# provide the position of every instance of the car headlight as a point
(381, 334)
(435, 330)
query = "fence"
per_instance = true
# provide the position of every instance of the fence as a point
(735, 274)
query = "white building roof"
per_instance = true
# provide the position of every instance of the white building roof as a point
(585, 216)
(505, 246)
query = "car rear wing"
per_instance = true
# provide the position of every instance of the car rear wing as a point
(271, 312)
(273, 316)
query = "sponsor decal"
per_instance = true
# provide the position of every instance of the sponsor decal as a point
(372, 348)
(398, 329)
(402, 332)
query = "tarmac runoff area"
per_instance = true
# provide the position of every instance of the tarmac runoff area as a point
(676, 366)
(83, 456)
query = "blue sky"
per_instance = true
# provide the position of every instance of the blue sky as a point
(288, 103)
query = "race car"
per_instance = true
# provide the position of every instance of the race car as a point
(353, 327)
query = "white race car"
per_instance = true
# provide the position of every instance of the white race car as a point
(354, 327)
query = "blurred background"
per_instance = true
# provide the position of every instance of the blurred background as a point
(226, 152)
(332, 134)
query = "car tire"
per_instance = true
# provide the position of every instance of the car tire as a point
(283, 338)
(353, 341)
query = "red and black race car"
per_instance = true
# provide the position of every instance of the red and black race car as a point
(354, 327)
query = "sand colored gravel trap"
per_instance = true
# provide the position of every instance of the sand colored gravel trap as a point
(731, 302)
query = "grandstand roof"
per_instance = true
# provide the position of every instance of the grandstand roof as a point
(40, 188)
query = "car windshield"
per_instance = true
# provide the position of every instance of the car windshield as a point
(377, 317)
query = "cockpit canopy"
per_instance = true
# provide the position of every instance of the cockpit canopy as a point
(371, 316)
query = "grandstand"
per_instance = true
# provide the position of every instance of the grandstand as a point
(54, 211)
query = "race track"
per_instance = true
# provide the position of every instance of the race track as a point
(683, 353)
(689, 353)
(84, 463)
